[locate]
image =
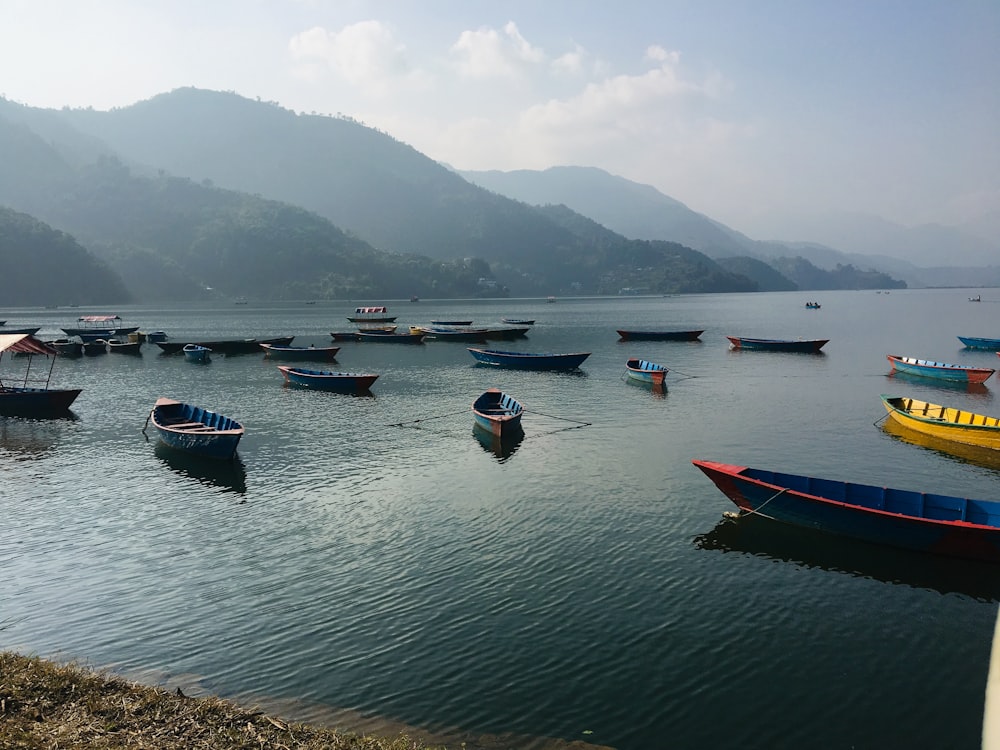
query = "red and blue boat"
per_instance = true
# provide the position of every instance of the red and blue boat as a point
(923, 521)
(972, 342)
(644, 371)
(498, 413)
(195, 430)
(801, 346)
(627, 335)
(323, 380)
(940, 370)
(529, 360)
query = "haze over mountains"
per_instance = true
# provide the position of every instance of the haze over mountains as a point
(197, 193)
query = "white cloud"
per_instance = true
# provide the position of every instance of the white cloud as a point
(488, 53)
(365, 54)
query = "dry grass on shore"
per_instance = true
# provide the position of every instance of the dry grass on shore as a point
(44, 705)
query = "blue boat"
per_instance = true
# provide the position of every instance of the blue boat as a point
(322, 380)
(391, 337)
(646, 372)
(497, 413)
(940, 370)
(627, 335)
(197, 353)
(972, 342)
(195, 430)
(802, 346)
(529, 360)
(923, 521)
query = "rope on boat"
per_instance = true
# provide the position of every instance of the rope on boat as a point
(579, 422)
(148, 417)
(756, 511)
(883, 417)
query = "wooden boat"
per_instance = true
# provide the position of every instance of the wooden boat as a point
(972, 342)
(29, 331)
(371, 315)
(197, 353)
(31, 395)
(451, 322)
(444, 333)
(812, 305)
(517, 322)
(505, 334)
(659, 335)
(939, 370)
(194, 429)
(99, 327)
(303, 353)
(529, 360)
(390, 337)
(321, 380)
(156, 337)
(94, 347)
(66, 347)
(344, 335)
(805, 346)
(124, 347)
(944, 422)
(497, 413)
(225, 346)
(647, 372)
(923, 521)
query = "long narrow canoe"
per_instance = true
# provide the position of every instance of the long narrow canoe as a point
(306, 353)
(498, 413)
(972, 342)
(940, 370)
(643, 371)
(322, 380)
(803, 346)
(195, 430)
(226, 346)
(944, 422)
(924, 521)
(659, 335)
(529, 360)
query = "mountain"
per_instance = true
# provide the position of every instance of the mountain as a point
(42, 266)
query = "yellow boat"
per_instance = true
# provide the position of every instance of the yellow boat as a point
(944, 422)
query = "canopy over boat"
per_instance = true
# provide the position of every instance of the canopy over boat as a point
(24, 343)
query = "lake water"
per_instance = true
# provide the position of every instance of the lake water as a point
(368, 562)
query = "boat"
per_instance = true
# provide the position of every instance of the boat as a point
(659, 335)
(29, 331)
(225, 346)
(391, 337)
(939, 370)
(812, 305)
(944, 422)
(505, 333)
(32, 396)
(194, 429)
(197, 353)
(529, 360)
(94, 347)
(806, 346)
(972, 342)
(451, 322)
(371, 315)
(124, 347)
(923, 521)
(647, 372)
(321, 380)
(99, 327)
(156, 337)
(517, 322)
(977, 298)
(344, 335)
(309, 353)
(444, 333)
(66, 347)
(497, 413)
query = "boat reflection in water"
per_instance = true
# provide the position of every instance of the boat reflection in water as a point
(762, 537)
(988, 458)
(502, 448)
(27, 438)
(975, 389)
(228, 476)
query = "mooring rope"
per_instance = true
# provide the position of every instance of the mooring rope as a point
(875, 423)
(755, 511)
(425, 419)
(579, 422)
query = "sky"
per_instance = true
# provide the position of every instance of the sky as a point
(749, 111)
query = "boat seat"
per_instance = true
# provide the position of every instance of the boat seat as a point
(184, 425)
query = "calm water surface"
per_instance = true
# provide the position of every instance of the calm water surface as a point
(369, 556)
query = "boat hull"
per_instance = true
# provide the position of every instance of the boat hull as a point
(939, 370)
(301, 353)
(229, 346)
(648, 373)
(195, 430)
(939, 524)
(195, 353)
(30, 402)
(529, 361)
(390, 337)
(944, 423)
(498, 414)
(803, 346)
(321, 380)
(659, 335)
(971, 342)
